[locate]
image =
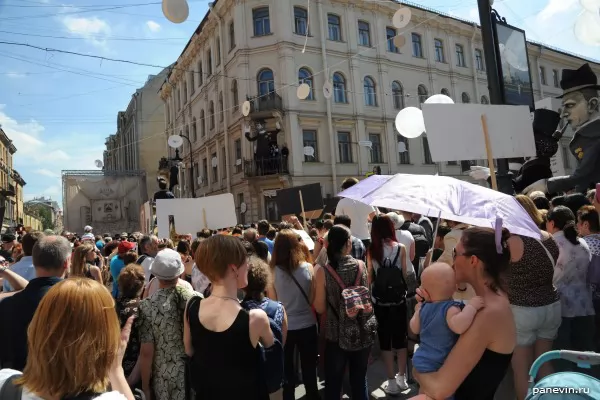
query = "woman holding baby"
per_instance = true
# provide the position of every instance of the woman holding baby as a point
(472, 365)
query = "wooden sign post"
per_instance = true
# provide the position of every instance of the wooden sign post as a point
(302, 209)
(488, 150)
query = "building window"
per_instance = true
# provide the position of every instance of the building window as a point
(397, 95)
(223, 163)
(234, 95)
(334, 27)
(209, 63)
(211, 115)
(237, 149)
(300, 21)
(445, 92)
(345, 147)
(460, 56)
(404, 156)
(309, 138)
(339, 88)
(566, 156)
(221, 108)
(185, 92)
(305, 76)
(465, 98)
(376, 151)
(266, 82)
(185, 143)
(262, 22)
(555, 78)
(422, 93)
(439, 50)
(204, 171)
(479, 60)
(200, 73)
(484, 100)
(364, 34)
(390, 34)
(196, 172)
(417, 46)
(214, 168)
(202, 123)
(543, 75)
(194, 131)
(231, 36)
(192, 83)
(370, 92)
(427, 152)
(218, 62)
(452, 163)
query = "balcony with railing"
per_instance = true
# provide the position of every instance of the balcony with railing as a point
(266, 167)
(262, 107)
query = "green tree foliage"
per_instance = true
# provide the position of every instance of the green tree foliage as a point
(44, 213)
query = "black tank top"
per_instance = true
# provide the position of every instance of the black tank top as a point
(484, 379)
(225, 364)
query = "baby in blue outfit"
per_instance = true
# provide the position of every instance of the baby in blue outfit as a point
(439, 320)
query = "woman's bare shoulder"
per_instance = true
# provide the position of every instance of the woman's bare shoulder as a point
(496, 319)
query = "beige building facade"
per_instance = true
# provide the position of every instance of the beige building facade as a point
(256, 50)
(138, 143)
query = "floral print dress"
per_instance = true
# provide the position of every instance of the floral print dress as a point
(125, 309)
(161, 323)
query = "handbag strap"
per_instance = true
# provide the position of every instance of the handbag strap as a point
(335, 276)
(291, 275)
(547, 252)
(359, 274)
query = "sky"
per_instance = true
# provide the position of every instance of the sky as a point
(59, 108)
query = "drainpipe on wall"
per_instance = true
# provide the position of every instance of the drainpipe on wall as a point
(537, 65)
(474, 64)
(328, 101)
(225, 102)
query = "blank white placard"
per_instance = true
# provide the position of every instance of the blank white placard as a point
(220, 213)
(454, 131)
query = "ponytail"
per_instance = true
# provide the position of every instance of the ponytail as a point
(570, 231)
(337, 238)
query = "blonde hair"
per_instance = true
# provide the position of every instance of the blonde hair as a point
(531, 209)
(79, 259)
(73, 340)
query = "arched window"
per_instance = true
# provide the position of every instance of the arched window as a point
(465, 98)
(202, 124)
(305, 76)
(234, 95)
(422, 93)
(445, 92)
(398, 95)
(484, 100)
(221, 109)
(370, 92)
(185, 93)
(339, 88)
(187, 134)
(211, 114)
(194, 130)
(266, 82)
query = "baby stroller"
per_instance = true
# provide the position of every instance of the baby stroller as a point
(565, 385)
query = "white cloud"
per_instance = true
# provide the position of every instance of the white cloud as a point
(153, 26)
(46, 172)
(15, 75)
(556, 7)
(89, 28)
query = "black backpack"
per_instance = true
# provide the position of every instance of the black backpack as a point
(421, 242)
(390, 287)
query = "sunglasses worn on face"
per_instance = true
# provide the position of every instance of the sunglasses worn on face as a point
(455, 254)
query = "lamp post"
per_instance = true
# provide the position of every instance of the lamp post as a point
(494, 84)
(175, 141)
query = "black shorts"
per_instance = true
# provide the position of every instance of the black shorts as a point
(391, 327)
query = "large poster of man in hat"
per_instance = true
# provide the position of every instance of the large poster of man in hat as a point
(581, 109)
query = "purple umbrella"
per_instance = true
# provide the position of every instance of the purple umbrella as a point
(445, 197)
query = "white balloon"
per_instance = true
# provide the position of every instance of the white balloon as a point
(592, 6)
(303, 91)
(401, 147)
(401, 17)
(246, 109)
(327, 90)
(309, 151)
(176, 11)
(439, 99)
(587, 28)
(410, 122)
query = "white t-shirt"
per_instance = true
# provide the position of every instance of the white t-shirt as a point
(405, 238)
(359, 216)
(7, 373)
(199, 281)
(146, 264)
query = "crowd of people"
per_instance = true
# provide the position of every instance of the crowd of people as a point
(249, 312)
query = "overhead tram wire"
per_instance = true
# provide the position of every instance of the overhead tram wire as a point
(92, 37)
